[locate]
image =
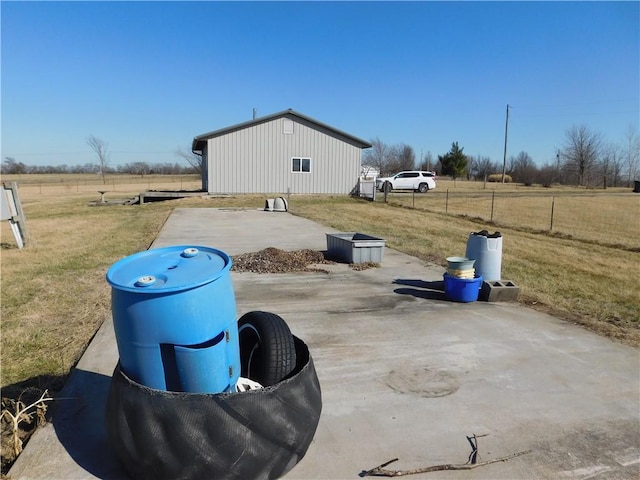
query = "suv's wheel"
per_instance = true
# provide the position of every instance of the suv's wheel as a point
(423, 188)
(267, 348)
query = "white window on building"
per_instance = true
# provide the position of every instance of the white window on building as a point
(287, 126)
(300, 164)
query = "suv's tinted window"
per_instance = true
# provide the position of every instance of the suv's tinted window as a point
(408, 175)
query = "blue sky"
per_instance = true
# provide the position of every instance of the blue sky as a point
(146, 77)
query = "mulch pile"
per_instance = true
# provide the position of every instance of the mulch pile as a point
(274, 260)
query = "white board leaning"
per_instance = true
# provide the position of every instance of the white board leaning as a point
(11, 210)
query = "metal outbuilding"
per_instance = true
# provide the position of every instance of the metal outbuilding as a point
(286, 152)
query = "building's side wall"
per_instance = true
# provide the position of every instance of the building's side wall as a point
(258, 159)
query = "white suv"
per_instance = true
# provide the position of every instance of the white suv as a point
(413, 180)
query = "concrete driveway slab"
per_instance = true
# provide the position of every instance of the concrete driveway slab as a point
(404, 372)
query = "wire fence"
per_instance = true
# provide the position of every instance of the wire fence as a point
(52, 184)
(611, 219)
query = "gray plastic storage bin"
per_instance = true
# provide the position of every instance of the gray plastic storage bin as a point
(355, 247)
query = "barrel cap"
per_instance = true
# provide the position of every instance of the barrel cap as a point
(169, 269)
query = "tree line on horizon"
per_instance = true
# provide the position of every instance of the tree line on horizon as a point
(585, 159)
(103, 167)
(11, 166)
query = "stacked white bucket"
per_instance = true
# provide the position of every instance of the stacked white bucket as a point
(460, 267)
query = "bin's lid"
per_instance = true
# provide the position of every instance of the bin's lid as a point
(484, 233)
(168, 269)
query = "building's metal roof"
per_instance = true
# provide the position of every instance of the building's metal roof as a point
(200, 141)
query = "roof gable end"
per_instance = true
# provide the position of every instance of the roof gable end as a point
(200, 141)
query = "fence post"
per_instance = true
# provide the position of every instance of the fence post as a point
(493, 197)
(446, 204)
(414, 199)
(553, 203)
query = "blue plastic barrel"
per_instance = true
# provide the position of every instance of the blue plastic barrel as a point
(174, 316)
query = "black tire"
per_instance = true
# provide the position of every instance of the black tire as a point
(423, 188)
(160, 435)
(267, 348)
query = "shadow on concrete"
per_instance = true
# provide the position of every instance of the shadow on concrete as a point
(79, 422)
(421, 289)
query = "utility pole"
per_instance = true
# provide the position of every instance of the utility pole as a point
(504, 160)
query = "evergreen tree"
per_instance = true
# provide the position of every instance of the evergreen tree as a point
(454, 162)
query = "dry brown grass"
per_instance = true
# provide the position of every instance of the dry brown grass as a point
(54, 295)
(586, 283)
(609, 217)
(114, 185)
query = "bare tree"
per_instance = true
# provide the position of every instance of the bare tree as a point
(426, 162)
(12, 166)
(100, 148)
(581, 151)
(610, 164)
(481, 167)
(632, 154)
(377, 155)
(524, 169)
(191, 158)
(401, 157)
(548, 174)
(511, 165)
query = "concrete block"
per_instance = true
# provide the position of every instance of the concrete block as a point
(499, 291)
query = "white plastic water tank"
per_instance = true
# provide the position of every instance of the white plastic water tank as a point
(486, 250)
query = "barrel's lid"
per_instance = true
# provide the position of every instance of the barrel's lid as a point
(168, 269)
(484, 233)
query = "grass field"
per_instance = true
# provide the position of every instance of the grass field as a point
(54, 295)
(114, 185)
(610, 217)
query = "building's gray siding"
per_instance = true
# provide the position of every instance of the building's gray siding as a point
(258, 159)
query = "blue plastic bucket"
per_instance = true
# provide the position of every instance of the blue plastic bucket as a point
(462, 289)
(174, 316)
